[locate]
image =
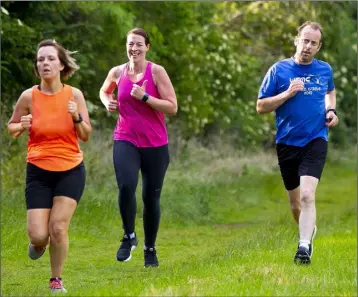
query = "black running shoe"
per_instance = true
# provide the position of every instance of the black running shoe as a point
(124, 252)
(302, 256)
(150, 258)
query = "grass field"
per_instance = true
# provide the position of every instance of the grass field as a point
(226, 230)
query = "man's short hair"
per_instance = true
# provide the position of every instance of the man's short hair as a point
(313, 25)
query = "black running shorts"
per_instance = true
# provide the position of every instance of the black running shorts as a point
(42, 185)
(297, 161)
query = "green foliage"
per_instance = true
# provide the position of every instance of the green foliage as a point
(216, 55)
(17, 55)
(269, 29)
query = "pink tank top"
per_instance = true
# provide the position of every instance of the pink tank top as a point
(139, 123)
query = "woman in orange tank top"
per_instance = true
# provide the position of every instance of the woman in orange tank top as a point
(55, 116)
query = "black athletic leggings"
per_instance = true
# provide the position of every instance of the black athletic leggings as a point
(153, 163)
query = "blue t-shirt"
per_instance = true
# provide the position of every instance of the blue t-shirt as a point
(301, 118)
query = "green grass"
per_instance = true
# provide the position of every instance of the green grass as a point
(226, 230)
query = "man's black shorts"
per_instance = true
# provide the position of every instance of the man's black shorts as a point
(297, 161)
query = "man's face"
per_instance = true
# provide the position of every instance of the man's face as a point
(307, 45)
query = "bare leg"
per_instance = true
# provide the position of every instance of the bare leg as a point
(294, 197)
(308, 208)
(37, 226)
(60, 218)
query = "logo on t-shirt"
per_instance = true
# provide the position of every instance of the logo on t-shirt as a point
(303, 79)
(308, 80)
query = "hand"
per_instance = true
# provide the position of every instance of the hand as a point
(139, 91)
(72, 108)
(112, 104)
(331, 119)
(26, 121)
(295, 86)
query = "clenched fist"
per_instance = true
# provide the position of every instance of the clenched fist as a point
(72, 108)
(25, 121)
(295, 86)
(112, 104)
(331, 119)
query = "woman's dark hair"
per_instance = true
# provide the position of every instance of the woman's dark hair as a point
(141, 32)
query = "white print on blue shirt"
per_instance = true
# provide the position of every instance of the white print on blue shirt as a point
(302, 117)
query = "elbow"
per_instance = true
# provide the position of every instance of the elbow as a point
(259, 108)
(9, 131)
(173, 111)
(85, 138)
(13, 133)
(101, 93)
(260, 111)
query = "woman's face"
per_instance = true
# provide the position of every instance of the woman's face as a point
(48, 64)
(136, 48)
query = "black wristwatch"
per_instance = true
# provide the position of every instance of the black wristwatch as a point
(79, 119)
(331, 109)
(145, 97)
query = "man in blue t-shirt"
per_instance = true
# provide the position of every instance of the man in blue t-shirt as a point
(301, 92)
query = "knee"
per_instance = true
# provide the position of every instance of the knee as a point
(151, 194)
(38, 236)
(127, 188)
(151, 202)
(307, 197)
(58, 231)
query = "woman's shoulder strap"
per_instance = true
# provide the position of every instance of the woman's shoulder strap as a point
(120, 70)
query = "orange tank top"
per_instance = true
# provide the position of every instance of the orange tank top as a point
(53, 142)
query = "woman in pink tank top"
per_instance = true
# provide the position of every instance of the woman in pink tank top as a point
(145, 96)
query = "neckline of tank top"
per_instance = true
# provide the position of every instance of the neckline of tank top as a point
(145, 72)
(39, 88)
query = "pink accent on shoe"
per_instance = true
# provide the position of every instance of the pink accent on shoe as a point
(56, 285)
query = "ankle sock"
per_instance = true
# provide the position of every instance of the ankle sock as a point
(305, 243)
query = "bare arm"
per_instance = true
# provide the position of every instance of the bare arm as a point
(168, 102)
(330, 102)
(107, 89)
(76, 106)
(169, 105)
(330, 99)
(269, 104)
(21, 117)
